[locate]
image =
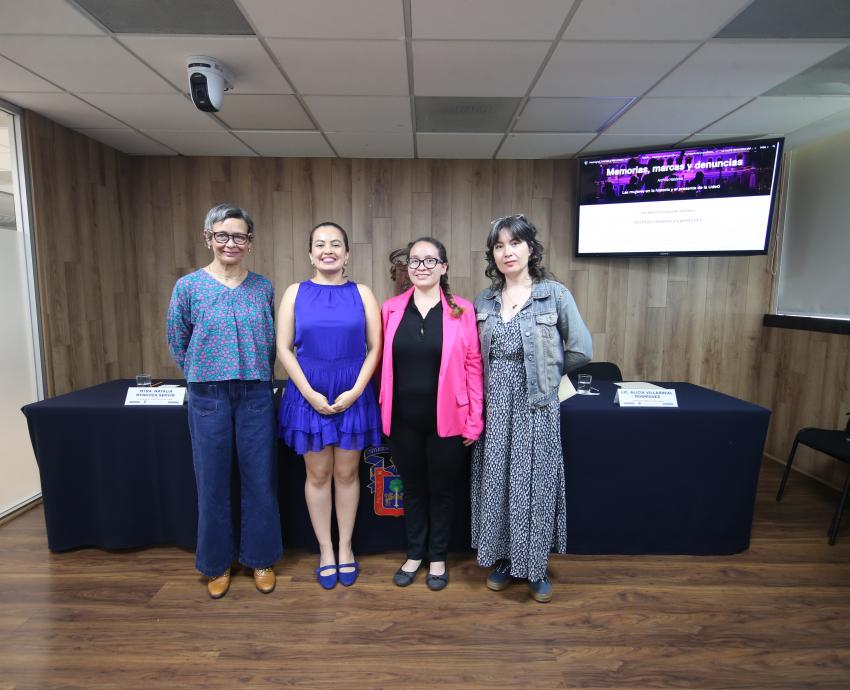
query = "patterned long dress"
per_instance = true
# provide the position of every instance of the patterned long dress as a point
(518, 486)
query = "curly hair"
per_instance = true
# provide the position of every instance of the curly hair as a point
(398, 263)
(521, 228)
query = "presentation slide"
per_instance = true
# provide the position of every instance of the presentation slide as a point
(709, 199)
(714, 225)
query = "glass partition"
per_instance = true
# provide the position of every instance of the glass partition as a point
(20, 360)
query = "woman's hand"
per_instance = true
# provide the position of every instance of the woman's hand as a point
(344, 400)
(319, 403)
(467, 441)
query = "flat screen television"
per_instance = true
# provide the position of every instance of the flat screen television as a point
(703, 200)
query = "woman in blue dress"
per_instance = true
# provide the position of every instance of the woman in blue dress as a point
(328, 340)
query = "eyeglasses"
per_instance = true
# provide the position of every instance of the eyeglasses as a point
(239, 238)
(515, 216)
(428, 263)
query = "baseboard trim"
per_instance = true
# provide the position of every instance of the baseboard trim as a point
(820, 480)
(20, 508)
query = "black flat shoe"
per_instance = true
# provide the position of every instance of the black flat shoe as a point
(437, 582)
(403, 578)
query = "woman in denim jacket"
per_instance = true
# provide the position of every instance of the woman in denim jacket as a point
(531, 333)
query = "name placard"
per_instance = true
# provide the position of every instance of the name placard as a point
(155, 396)
(646, 397)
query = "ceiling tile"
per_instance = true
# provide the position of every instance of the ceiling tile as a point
(488, 19)
(44, 17)
(456, 145)
(781, 114)
(568, 114)
(153, 111)
(79, 63)
(830, 77)
(220, 143)
(730, 68)
(673, 115)
(264, 112)
(628, 142)
(63, 108)
(361, 113)
(288, 144)
(217, 17)
(439, 114)
(372, 144)
(326, 18)
(129, 141)
(475, 68)
(791, 19)
(608, 69)
(244, 55)
(14, 78)
(344, 68)
(543, 145)
(651, 20)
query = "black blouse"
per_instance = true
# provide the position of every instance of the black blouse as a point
(417, 349)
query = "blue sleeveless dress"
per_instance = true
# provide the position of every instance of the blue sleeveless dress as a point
(330, 344)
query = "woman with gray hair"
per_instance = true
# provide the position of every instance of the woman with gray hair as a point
(221, 333)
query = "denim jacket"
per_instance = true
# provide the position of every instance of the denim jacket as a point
(549, 321)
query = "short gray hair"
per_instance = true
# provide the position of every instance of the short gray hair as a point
(222, 212)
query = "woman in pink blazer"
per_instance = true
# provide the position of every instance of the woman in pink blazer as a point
(431, 401)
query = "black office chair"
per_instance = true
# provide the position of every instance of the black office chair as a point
(600, 371)
(833, 442)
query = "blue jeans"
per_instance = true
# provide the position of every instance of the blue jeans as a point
(219, 412)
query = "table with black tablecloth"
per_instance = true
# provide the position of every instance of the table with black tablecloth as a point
(661, 480)
(638, 480)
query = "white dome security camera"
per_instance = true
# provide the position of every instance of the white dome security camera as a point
(208, 80)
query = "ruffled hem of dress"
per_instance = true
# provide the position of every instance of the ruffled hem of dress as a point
(303, 442)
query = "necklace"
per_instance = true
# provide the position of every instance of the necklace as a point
(515, 305)
(222, 276)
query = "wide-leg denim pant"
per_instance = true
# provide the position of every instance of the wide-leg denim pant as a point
(221, 413)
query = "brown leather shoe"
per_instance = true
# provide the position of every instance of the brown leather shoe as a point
(217, 586)
(264, 579)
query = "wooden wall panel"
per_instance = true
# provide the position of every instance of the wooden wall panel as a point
(676, 319)
(114, 233)
(804, 378)
(87, 268)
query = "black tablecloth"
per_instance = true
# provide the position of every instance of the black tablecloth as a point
(661, 480)
(638, 480)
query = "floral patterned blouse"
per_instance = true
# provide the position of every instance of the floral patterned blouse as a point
(217, 333)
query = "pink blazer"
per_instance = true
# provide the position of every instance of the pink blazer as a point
(460, 394)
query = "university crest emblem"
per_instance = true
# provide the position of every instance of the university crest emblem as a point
(384, 481)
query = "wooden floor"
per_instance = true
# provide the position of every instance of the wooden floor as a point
(777, 616)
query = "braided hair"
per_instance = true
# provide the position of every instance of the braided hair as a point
(398, 270)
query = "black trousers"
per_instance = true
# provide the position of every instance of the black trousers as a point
(430, 467)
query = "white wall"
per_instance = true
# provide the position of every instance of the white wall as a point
(814, 275)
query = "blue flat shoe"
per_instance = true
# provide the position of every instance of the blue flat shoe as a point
(327, 581)
(348, 579)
